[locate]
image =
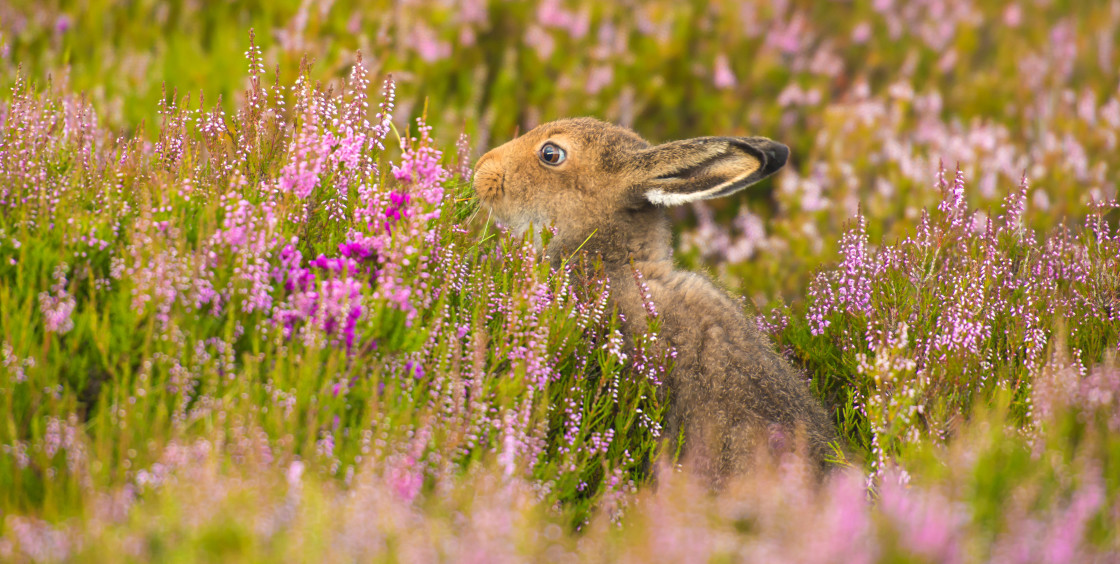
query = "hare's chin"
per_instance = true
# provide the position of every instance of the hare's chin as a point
(518, 227)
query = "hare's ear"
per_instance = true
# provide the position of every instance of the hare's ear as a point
(706, 167)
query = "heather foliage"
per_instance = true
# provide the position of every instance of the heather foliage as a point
(910, 334)
(870, 94)
(270, 278)
(256, 314)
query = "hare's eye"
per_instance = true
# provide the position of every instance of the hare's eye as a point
(553, 154)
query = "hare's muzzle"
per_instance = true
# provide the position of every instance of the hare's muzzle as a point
(489, 178)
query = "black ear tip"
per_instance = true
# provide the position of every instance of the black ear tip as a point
(772, 154)
(776, 155)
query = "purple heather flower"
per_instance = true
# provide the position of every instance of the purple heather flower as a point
(722, 75)
(57, 305)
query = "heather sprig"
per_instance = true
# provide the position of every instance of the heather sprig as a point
(920, 330)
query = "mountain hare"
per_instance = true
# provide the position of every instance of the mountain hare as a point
(604, 189)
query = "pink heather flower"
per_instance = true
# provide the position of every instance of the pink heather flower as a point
(507, 457)
(961, 327)
(1100, 392)
(308, 151)
(709, 238)
(358, 106)
(57, 304)
(773, 323)
(338, 308)
(327, 300)
(953, 203)
(405, 478)
(295, 473)
(1013, 15)
(791, 95)
(421, 170)
(752, 236)
(643, 290)
(396, 210)
(1110, 112)
(1065, 539)
(424, 41)
(383, 120)
(289, 272)
(786, 37)
(463, 156)
(861, 33)
(599, 77)
(929, 525)
(541, 41)
(1063, 47)
(355, 250)
(12, 363)
(854, 290)
(550, 13)
(1058, 535)
(1014, 206)
(722, 75)
(38, 540)
(354, 24)
(323, 144)
(414, 369)
(472, 11)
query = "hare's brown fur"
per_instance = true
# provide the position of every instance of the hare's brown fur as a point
(731, 394)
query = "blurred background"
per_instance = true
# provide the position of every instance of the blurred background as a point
(970, 360)
(870, 94)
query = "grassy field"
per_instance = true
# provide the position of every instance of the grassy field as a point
(250, 309)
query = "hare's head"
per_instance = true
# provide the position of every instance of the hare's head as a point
(585, 177)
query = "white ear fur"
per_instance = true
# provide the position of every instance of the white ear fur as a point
(661, 198)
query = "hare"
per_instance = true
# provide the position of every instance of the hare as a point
(604, 190)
